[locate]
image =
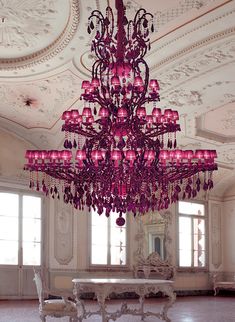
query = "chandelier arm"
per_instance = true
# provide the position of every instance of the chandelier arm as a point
(138, 14)
(163, 130)
(73, 128)
(110, 11)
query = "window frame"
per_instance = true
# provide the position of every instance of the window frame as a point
(21, 193)
(205, 217)
(108, 267)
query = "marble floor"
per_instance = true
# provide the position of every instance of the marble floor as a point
(186, 309)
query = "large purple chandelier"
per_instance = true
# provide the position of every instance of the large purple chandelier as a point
(128, 161)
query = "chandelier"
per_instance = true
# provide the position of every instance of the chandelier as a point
(128, 160)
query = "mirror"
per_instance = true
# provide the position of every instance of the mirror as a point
(155, 230)
(154, 236)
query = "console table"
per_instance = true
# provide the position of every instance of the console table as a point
(104, 287)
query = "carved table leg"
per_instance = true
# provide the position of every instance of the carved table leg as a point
(141, 300)
(79, 304)
(101, 301)
(171, 300)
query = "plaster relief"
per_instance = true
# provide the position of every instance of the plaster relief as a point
(39, 103)
(30, 25)
(216, 235)
(63, 233)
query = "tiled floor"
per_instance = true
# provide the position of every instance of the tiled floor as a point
(186, 309)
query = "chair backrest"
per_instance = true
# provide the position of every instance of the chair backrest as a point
(39, 286)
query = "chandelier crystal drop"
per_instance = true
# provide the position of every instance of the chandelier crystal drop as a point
(128, 160)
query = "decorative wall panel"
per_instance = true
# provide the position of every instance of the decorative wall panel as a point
(63, 233)
(216, 234)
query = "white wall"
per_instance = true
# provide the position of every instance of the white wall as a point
(229, 235)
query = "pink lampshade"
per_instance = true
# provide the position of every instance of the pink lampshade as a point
(86, 112)
(163, 155)
(80, 155)
(116, 155)
(85, 84)
(213, 154)
(95, 82)
(96, 155)
(74, 114)
(29, 154)
(149, 119)
(178, 154)
(156, 112)
(66, 155)
(44, 154)
(199, 154)
(115, 81)
(207, 154)
(149, 155)
(141, 112)
(168, 114)
(175, 116)
(188, 154)
(122, 112)
(153, 84)
(138, 81)
(54, 154)
(103, 112)
(130, 155)
(66, 116)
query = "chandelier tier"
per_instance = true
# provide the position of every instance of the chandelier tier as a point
(128, 161)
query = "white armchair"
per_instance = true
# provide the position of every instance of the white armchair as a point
(55, 307)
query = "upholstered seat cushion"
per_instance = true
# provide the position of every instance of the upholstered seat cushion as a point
(59, 305)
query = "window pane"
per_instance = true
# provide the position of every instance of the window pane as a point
(118, 255)
(98, 220)
(108, 241)
(8, 252)
(99, 255)
(31, 229)
(199, 242)
(118, 236)
(31, 207)
(8, 228)
(189, 208)
(185, 241)
(31, 253)
(9, 203)
(185, 258)
(99, 239)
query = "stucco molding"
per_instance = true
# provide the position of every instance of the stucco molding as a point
(216, 235)
(64, 233)
(51, 50)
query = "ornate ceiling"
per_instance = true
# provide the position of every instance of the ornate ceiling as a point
(44, 56)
